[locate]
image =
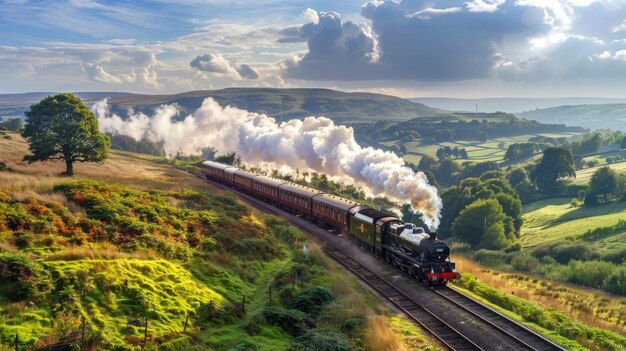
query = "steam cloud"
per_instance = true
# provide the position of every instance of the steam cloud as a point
(314, 143)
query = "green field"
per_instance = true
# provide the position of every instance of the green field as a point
(555, 219)
(476, 150)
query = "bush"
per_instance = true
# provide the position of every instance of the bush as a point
(322, 339)
(492, 258)
(615, 282)
(312, 300)
(525, 262)
(23, 278)
(255, 247)
(292, 321)
(564, 251)
(589, 273)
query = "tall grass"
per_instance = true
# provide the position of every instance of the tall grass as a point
(591, 307)
(379, 336)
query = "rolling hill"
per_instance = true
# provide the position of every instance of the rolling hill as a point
(283, 104)
(604, 116)
(511, 105)
(291, 103)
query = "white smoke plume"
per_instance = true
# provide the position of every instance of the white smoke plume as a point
(315, 144)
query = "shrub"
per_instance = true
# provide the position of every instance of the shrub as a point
(292, 321)
(491, 257)
(525, 262)
(322, 339)
(615, 282)
(312, 300)
(589, 273)
(23, 278)
(255, 247)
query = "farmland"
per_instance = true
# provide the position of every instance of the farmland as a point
(490, 150)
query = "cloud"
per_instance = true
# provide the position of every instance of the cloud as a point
(412, 40)
(336, 50)
(218, 64)
(484, 5)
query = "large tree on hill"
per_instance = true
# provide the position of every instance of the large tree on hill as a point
(604, 182)
(556, 163)
(61, 127)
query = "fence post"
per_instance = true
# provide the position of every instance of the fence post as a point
(82, 335)
(243, 305)
(17, 342)
(186, 321)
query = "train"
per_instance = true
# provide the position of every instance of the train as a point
(404, 245)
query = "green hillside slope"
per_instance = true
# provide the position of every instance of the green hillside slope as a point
(600, 116)
(132, 241)
(291, 103)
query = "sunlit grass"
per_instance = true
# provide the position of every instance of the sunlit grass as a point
(589, 306)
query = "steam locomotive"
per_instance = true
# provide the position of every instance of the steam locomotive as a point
(403, 245)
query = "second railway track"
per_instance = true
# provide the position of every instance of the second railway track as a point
(443, 331)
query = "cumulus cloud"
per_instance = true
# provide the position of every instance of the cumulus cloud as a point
(336, 50)
(314, 144)
(412, 40)
(218, 64)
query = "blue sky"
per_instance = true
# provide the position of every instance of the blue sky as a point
(409, 48)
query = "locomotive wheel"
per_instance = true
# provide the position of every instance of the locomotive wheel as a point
(387, 256)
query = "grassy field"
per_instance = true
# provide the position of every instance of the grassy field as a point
(540, 302)
(476, 150)
(583, 176)
(132, 238)
(555, 219)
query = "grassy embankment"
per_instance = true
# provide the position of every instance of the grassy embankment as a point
(574, 317)
(132, 239)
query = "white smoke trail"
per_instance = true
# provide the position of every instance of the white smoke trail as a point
(314, 143)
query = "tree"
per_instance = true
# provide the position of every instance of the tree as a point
(517, 175)
(556, 163)
(481, 223)
(604, 182)
(623, 144)
(482, 136)
(61, 127)
(426, 163)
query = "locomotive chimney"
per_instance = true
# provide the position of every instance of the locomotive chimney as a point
(433, 235)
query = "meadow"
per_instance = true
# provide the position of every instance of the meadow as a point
(556, 219)
(490, 150)
(133, 239)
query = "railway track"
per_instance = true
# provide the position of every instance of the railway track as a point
(450, 337)
(428, 320)
(522, 335)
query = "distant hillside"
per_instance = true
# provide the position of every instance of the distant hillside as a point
(283, 104)
(510, 105)
(14, 105)
(611, 116)
(290, 103)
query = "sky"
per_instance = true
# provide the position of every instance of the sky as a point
(407, 48)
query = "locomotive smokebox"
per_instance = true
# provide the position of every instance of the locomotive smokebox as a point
(433, 235)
